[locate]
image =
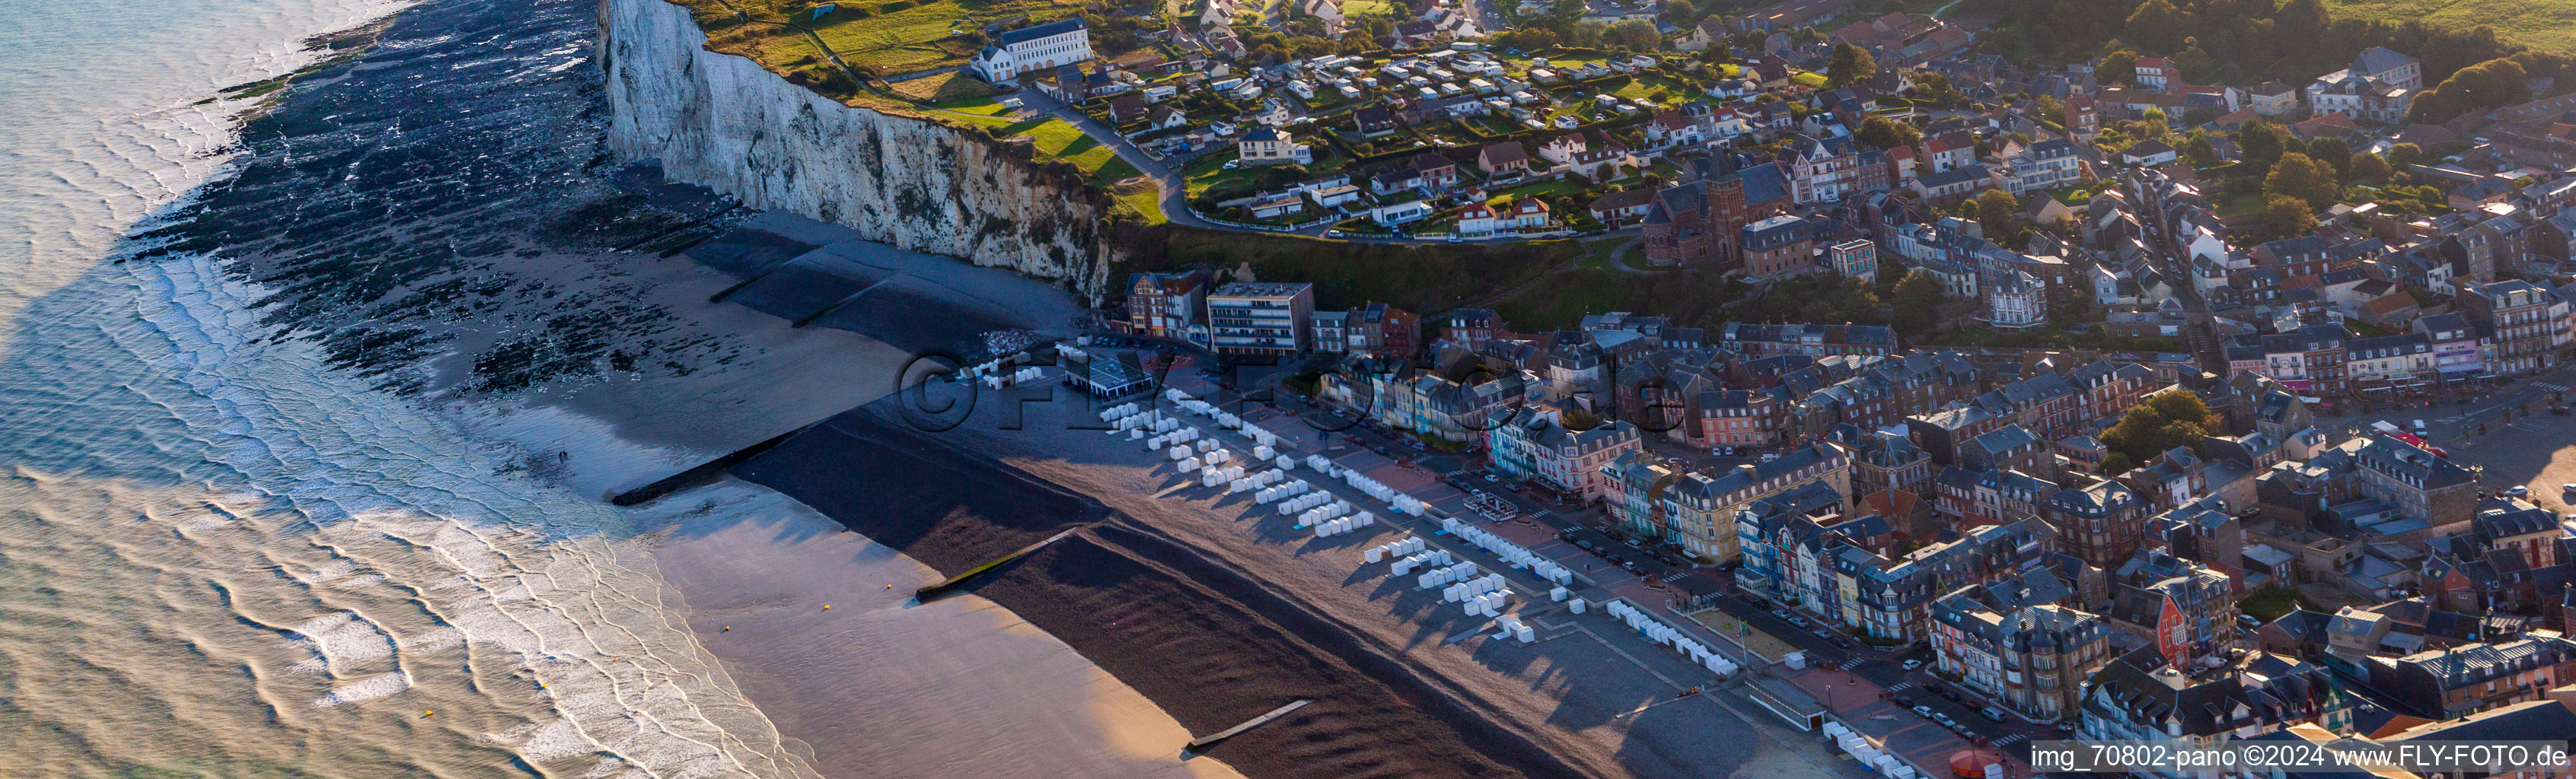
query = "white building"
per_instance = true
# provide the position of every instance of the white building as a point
(1043, 47)
(2017, 301)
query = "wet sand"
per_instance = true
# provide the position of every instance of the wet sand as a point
(880, 688)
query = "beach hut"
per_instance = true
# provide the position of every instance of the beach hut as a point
(1576, 605)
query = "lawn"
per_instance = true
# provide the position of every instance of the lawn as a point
(1357, 8)
(2270, 601)
(2544, 25)
(2240, 205)
(1642, 89)
(1596, 251)
(954, 87)
(1564, 300)
(1812, 79)
(1537, 189)
(1208, 172)
(920, 36)
(1148, 204)
(1057, 140)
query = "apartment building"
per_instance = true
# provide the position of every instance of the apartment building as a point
(1260, 317)
(2032, 657)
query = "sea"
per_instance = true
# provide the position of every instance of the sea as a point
(225, 551)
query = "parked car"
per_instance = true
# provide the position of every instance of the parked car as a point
(1991, 713)
(2517, 490)
(1913, 664)
(1923, 710)
(1950, 693)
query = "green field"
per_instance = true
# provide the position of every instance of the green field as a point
(2544, 25)
(948, 89)
(1359, 8)
(1642, 89)
(1057, 140)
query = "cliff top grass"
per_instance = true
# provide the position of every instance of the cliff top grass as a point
(2542, 25)
(878, 38)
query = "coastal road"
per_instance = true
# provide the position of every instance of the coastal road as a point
(1175, 200)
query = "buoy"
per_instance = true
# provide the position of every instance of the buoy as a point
(429, 714)
(728, 628)
(827, 607)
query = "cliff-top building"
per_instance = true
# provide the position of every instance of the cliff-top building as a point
(1028, 49)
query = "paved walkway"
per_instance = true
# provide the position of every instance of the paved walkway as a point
(1619, 256)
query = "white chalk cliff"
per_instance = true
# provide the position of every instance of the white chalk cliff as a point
(723, 122)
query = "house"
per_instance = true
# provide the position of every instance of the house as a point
(1165, 118)
(1792, 14)
(1528, 213)
(1400, 213)
(1279, 205)
(2149, 153)
(1328, 197)
(1127, 109)
(1373, 121)
(1500, 159)
(2047, 164)
(1478, 219)
(1272, 146)
(1778, 246)
(1623, 204)
(1948, 151)
(1160, 305)
(1030, 49)
(1955, 184)
(2367, 97)
(2157, 74)
(2274, 98)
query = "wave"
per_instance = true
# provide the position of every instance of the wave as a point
(218, 555)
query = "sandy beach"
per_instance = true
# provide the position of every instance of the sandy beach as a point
(881, 687)
(872, 688)
(1219, 614)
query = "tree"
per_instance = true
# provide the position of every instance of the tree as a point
(1525, 38)
(2156, 26)
(2117, 67)
(2495, 82)
(1637, 35)
(1880, 132)
(2367, 168)
(1849, 65)
(2290, 217)
(2300, 176)
(2000, 212)
(1917, 299)
(2298, 25)
(2331, 152)
(2198, 150)
(2165, 421)
(2404, 154)
(2260, 143)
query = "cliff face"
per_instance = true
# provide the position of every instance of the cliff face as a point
(723, 122)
